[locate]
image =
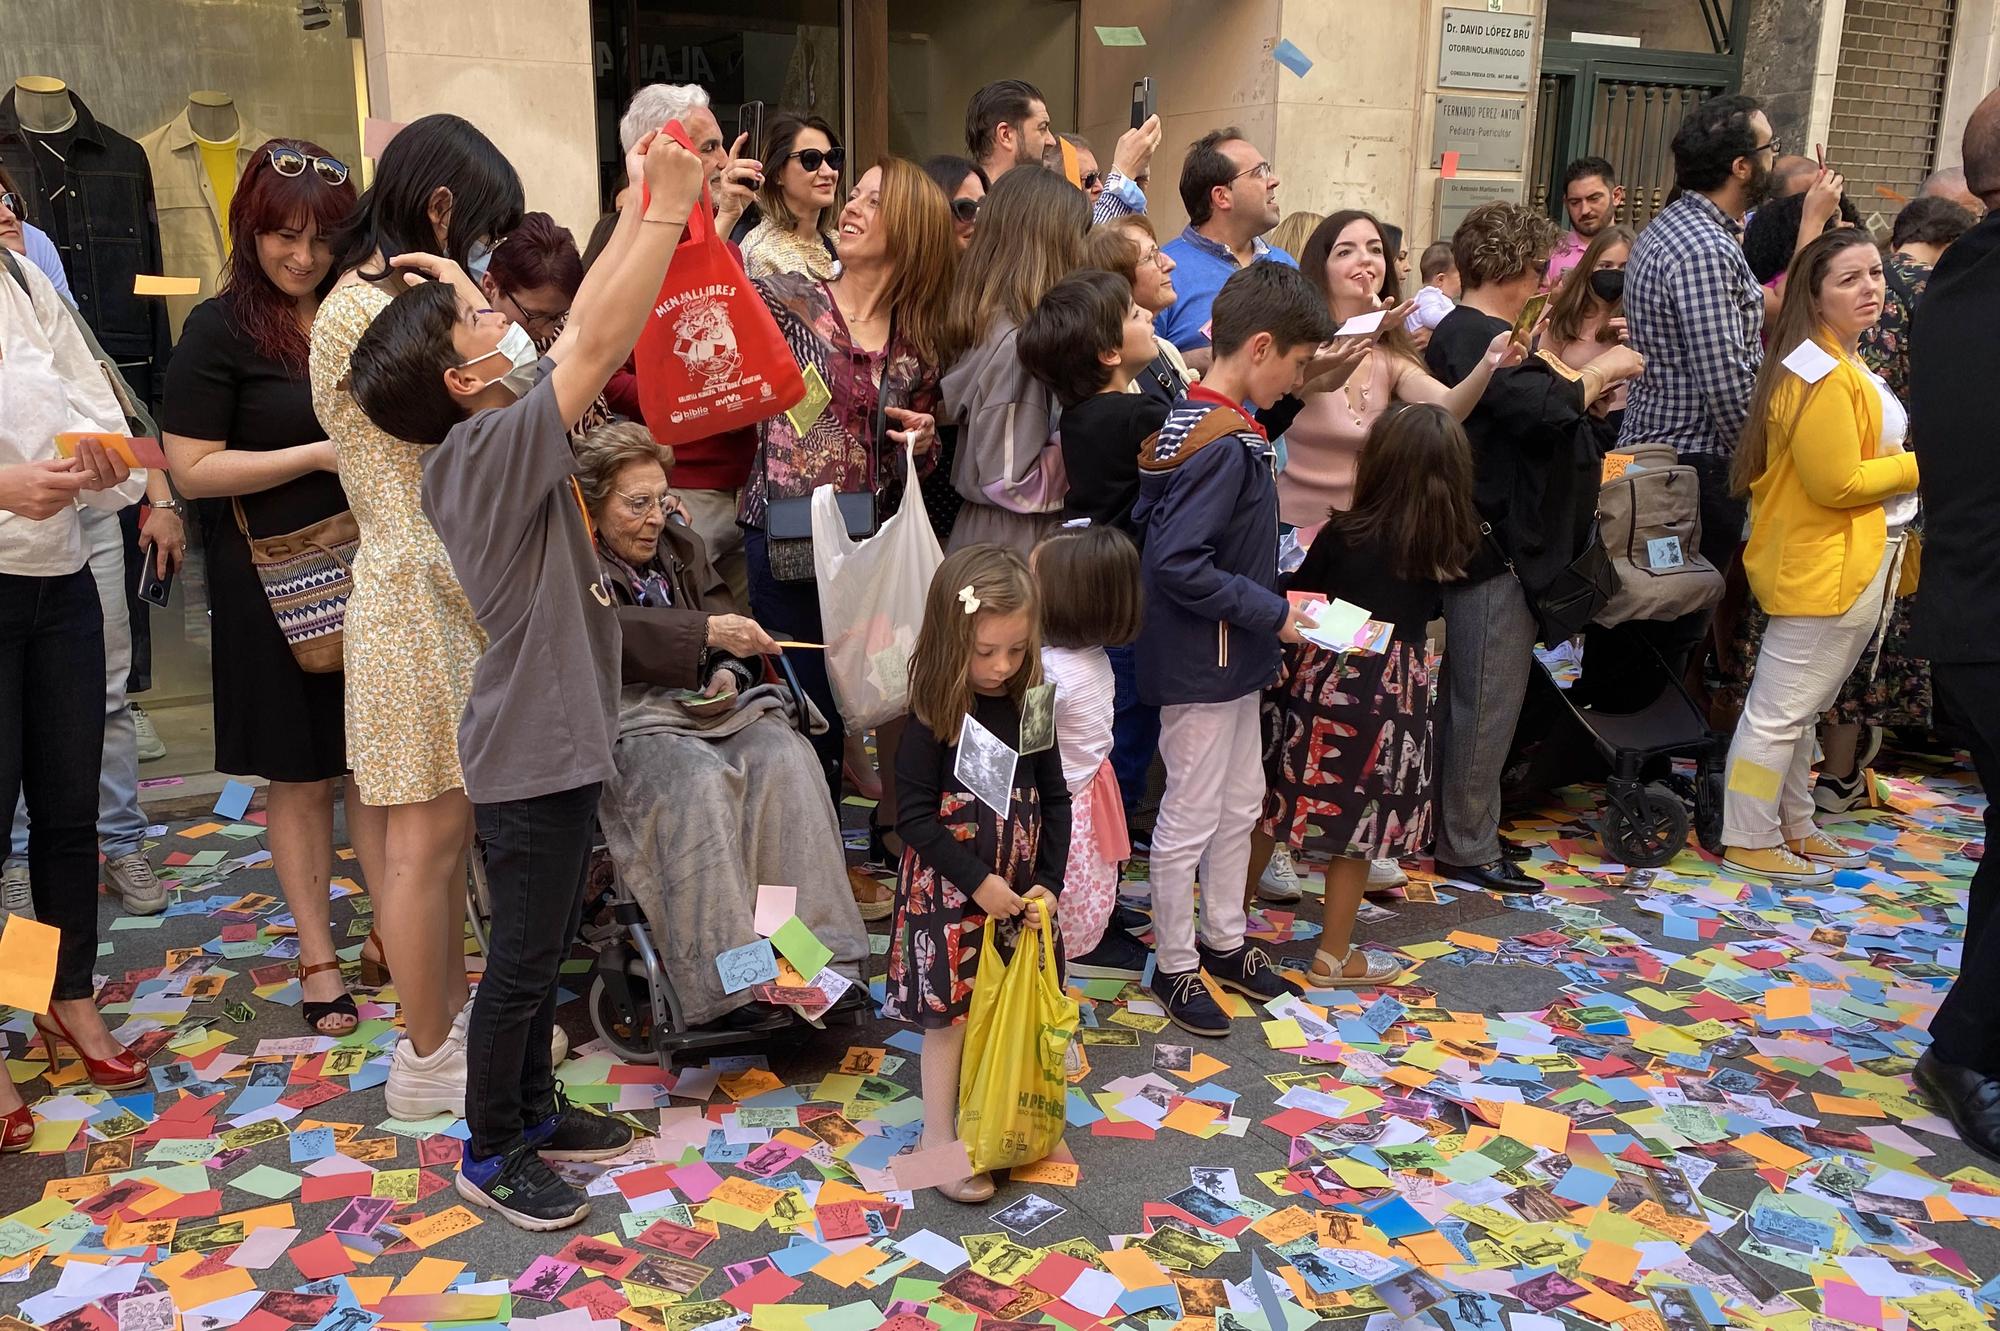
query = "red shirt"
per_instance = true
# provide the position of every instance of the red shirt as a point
(1203, 393)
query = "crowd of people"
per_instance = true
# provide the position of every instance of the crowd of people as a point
(1161, 468)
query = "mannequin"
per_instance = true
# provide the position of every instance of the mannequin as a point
(212, 116)
(44, 104)
(196, 159)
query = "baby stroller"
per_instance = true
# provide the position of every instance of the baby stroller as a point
(631, 1000)
(1631, 703)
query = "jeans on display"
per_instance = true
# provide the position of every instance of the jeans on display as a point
(791, 610)
(121, 824)
(537, 856)
(1135, 729)
(51, 732)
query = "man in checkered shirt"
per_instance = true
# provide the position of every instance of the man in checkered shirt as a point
(1695, 310)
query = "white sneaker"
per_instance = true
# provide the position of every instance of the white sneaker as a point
(131, 877)
(420, 1088)
(1280, 883)
(558, 1038)
(1385, 874)
(150, 747)
(15, 896)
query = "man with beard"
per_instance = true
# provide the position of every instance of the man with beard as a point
(1695, 310)
(1007, 125)
(1591, 197)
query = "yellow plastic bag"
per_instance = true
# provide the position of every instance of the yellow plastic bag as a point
(1011, 1088)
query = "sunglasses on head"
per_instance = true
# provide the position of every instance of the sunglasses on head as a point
(292, 162)
(966, 210)
(812, 158)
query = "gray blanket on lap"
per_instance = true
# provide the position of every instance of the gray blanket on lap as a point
(703, 810)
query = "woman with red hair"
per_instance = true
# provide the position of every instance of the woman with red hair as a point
(241, 435)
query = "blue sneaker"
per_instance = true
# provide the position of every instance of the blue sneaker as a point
(522, 1188)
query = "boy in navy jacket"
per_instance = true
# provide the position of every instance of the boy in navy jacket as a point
(1214, 621)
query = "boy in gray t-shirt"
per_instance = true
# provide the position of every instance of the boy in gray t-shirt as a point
(436, 367)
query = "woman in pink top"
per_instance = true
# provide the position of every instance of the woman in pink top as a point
(1347, 259)
(1587, 314)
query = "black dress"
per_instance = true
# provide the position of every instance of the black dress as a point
(272, 719)
(1348, 735)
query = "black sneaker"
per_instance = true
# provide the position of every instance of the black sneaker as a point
(578, 1134)
(1187, 1003)
(1129, 919)
(1117, 953)
(1248, 971)
(522, 1188)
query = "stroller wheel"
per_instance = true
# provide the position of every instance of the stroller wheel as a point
(1644, 826)
(1708, 797)
(632, 1039)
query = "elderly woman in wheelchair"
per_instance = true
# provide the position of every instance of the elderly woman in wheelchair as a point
(718, 789)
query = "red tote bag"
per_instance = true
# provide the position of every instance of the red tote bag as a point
(711, 357)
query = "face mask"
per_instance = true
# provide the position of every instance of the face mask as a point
(1608, 284)
(519, 349)
(477, 259)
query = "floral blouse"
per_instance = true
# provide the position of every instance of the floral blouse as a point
(1885, 348)
(838, 447)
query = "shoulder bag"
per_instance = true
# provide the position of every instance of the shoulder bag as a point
(308, 576)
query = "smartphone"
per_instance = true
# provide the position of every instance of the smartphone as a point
(154, 589)
(1531, 314)
(750, 124)
(1144, 101)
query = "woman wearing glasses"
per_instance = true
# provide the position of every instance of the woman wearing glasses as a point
(965, 185)
(802, 164)
(442, 188)
(752, 806)
(239, 429)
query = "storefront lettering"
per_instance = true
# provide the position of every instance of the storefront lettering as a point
(664, 64)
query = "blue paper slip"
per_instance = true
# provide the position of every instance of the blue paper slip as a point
(741, 967)
(1291, 57)
(234, 800)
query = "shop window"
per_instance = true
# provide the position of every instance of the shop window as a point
(942, 51)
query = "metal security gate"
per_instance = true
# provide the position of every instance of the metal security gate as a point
(1624, 104)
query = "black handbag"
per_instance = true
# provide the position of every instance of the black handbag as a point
(788, 522)
(1573, 597)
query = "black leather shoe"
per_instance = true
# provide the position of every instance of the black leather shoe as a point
(1970, 1099)
(1514, 852)
(1500, 876)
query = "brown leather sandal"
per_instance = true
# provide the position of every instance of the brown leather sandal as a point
(375, 969)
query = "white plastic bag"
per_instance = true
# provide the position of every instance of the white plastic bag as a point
(871, 600)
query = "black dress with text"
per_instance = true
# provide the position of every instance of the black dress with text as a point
(1348, 737)
(951, 842)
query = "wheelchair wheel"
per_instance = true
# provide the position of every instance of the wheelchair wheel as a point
(478, 903)
(1643, 826)
(633, 1038)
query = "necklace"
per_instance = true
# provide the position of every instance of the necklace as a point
(1360, 372)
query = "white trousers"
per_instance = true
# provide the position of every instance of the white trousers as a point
(1800, 668)
(1213, 796)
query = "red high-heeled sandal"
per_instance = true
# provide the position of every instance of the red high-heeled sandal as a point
(17, 1129)
(121, 1072)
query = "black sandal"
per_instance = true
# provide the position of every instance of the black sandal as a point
(315, 1013)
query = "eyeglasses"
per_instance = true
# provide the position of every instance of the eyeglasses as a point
(535, 321)
(291, 162)
(1262, 171)
(812, 158)
(640, 506)
(1091, 179)
(14, 204)
(1776, 146)
(966, 210)
(1152, 256)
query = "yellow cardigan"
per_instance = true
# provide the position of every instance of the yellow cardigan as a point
(1817, 529)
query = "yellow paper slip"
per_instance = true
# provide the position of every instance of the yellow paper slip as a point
(28, 964)
(147, 284)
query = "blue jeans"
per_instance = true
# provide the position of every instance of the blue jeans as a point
(121, 825)
(1135, 729)
(51, 672)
